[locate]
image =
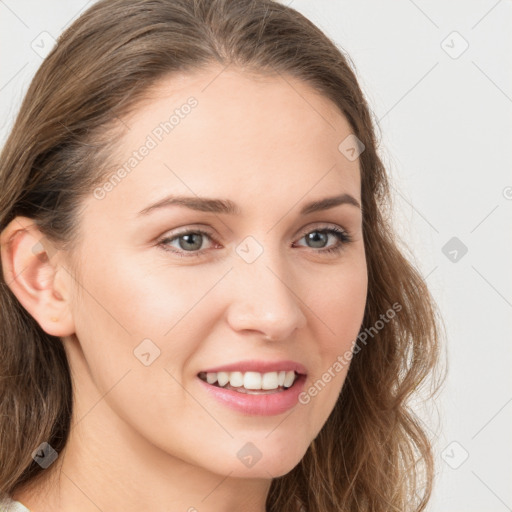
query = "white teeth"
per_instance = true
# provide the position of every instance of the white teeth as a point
(222, 378)
(288, 381)
(236, 379)
(252, 380)
(269, 381)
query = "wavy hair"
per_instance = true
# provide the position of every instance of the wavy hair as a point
(373, 453)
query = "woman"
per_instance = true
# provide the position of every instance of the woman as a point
(267, 366)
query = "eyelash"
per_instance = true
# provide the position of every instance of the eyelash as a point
(343, 237)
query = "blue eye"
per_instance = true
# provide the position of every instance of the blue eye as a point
(190, 242)
(342, 237)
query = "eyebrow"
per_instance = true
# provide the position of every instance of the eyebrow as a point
(226, 206)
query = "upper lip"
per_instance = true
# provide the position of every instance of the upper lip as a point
(259, 366)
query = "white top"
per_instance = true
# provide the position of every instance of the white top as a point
(10, 505)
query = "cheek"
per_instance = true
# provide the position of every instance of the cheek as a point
(132, 329)
(339, 306)
(140, 299)
(338, 314)
(125, 302)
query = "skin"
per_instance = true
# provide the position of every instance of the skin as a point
(149, 437)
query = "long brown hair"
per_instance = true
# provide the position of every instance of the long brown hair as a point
(373, 454)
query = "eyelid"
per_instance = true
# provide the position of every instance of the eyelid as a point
(320, 226)
(185, 231)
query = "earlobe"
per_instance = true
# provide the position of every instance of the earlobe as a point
(30, 265)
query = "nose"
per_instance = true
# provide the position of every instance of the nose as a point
(263, 300)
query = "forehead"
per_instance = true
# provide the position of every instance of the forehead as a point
(226, 132)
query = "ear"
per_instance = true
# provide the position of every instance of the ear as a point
(31, 269)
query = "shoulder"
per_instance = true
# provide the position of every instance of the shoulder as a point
(10, 505)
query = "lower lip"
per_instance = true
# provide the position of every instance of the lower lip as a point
(260, 405)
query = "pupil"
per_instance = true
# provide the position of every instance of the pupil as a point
(189, 240)
(316, 236)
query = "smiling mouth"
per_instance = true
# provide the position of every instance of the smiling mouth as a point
(253, 383)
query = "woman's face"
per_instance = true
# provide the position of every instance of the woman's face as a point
(167, 296)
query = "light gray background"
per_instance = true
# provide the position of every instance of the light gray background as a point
(445, 123)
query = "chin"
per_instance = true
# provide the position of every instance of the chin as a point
(261, 470)
(273, 462)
